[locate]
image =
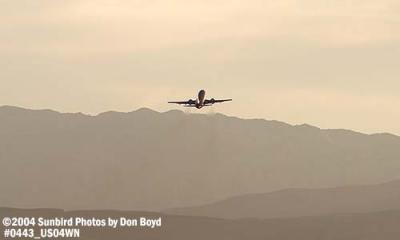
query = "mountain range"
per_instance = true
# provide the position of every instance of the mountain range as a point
(146, 160)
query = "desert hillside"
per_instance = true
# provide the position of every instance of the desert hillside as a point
(303, 202)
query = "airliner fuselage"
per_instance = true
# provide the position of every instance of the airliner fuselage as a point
(200, 99)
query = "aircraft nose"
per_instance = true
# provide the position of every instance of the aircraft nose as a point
(202, 93)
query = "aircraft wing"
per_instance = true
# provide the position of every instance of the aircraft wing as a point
(212, 101)
(189, 102)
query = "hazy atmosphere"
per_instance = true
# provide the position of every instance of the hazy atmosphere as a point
(333, 64)
(302, 142)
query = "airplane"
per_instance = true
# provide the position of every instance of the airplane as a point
(201, 101)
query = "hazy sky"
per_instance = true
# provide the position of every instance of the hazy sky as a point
(332, 63)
